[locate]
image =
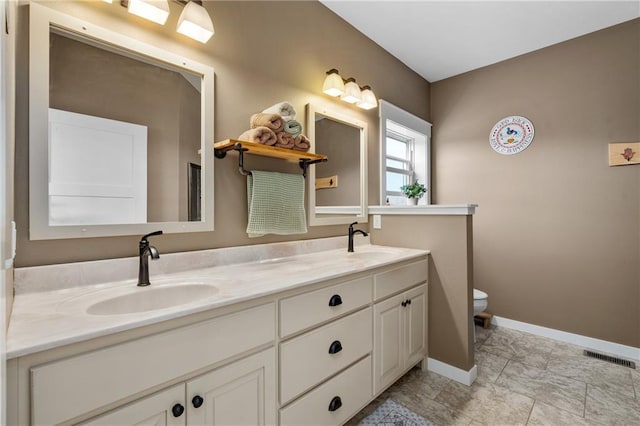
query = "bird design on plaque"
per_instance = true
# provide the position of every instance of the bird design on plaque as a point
(628, 154)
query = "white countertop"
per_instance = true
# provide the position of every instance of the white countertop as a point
(44, 320)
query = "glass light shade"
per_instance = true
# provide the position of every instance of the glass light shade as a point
(108, 1)
(333, 84)
(154, 10)
(352, 92)
(369, 99)
(195, 22)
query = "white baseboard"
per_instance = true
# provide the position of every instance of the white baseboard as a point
(627, 352)
(453, 373)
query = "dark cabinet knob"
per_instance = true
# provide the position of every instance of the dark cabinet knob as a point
(335, 347)
(177, 410)
(197, 401)
(335, 403)
(335, 300)
(403, 303)
(408, 301)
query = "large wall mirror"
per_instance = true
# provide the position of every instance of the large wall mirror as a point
(338, 187)
(120, 133)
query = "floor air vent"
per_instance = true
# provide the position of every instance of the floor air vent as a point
(611, 359)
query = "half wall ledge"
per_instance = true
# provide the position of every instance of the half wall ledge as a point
(432, 209)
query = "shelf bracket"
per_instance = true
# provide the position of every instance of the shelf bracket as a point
(241, 150)
(304, 164)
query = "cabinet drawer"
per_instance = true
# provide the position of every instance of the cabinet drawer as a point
(65, 389)
(304, 311)
(399, 279)
(305, 360)
(353, 387)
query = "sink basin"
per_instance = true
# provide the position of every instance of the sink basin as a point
(151, 298)
(276, 260)
(370, 255)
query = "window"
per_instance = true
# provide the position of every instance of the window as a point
(399, 163)
(404, 153)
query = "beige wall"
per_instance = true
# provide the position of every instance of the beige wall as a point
(450, 278)
(262, 53)
(557, 237)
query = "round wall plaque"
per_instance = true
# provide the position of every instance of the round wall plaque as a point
(511, 135)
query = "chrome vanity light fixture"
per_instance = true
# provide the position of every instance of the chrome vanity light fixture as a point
(348, 90)
(194, 21)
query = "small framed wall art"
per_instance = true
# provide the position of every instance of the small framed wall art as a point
(511, 135)
(624, 153)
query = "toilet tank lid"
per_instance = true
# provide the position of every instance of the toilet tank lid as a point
(478, 294)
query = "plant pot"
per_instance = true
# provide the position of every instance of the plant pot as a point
(412, 201)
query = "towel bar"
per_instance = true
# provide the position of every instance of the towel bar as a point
(304, 158)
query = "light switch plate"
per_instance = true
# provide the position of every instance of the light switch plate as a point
(377, 221)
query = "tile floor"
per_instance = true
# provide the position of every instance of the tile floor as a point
(522, 379)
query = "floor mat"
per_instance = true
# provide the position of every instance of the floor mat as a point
(391, 413)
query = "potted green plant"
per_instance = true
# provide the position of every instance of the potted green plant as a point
(414, 192)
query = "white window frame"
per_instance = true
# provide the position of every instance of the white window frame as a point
(392, 117)
(409, 160)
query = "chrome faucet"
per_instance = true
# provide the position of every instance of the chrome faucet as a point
(146, 250)
(351, 234)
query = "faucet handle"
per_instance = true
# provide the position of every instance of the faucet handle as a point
(143, 240)
(354, 223)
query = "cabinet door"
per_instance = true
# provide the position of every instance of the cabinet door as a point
(155, 410)
(241, 393)
(387, 345)
(416, 325)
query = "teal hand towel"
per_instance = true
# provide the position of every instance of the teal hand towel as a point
(293, 127)
(276, 204)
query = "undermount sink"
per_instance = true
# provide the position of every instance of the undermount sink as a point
(369, 255)
(151, 298)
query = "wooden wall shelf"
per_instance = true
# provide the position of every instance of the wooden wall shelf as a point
(302, 158)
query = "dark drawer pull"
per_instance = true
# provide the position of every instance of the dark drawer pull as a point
(404, 303)
(335, 347)
(335, 300)
(177, 410)
(197, 401)
(335, 403)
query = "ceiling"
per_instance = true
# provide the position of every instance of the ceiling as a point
(440, 39)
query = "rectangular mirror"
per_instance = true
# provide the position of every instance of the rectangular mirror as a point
(338, 187)
(120, 136)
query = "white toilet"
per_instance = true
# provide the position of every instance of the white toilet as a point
(480, 301)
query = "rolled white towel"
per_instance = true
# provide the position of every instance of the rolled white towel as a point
(284, 109)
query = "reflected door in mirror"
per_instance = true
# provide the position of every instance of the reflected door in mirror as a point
(95, 82)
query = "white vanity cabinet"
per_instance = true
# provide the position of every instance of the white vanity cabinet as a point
(325, 372)
(400, 323)
(241, 393)
(308, 355)
(71, 388)
(156, 409)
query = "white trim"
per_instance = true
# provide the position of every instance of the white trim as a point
(41, 18)
(628, 352)
(347, 210)
(390, 113)
(432, 209)
(454, 373)
(338, 218)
